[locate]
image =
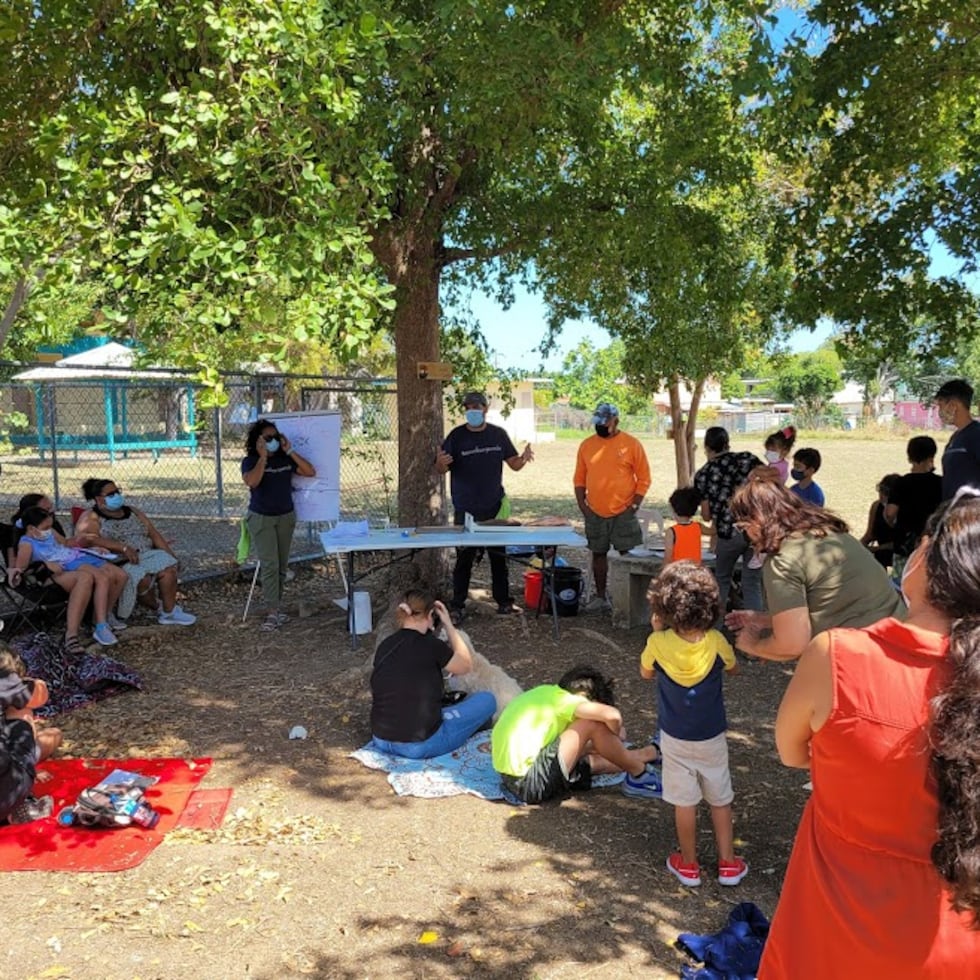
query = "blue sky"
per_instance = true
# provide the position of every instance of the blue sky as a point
(514, 334)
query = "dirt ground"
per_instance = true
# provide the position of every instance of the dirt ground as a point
(321, 871)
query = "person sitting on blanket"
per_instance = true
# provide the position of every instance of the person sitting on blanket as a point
(408, 717)
(83, 574)
(549, 740)
(151, 565)
(22, 747)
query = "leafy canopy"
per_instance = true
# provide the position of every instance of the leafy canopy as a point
(206, 153)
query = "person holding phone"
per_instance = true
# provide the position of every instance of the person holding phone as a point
(267, 470)
(408, 717)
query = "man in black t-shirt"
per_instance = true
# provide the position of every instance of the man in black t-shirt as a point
(474, 455)
(716, 481)
(914, 496)
(961, 457)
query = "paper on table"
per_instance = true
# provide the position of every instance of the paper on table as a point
(345, 530)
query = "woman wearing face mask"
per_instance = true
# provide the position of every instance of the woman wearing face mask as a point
(884, 880)
(267, 470)
(151, 566)
(816, 576)
(83, 575)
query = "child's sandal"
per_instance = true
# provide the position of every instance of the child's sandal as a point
(72, 647)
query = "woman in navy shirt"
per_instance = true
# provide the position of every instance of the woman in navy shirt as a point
(267, 469)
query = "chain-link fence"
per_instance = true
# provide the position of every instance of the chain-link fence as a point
(148, 430)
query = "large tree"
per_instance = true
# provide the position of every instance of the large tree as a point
(238, 166)
(676, 260)
(877, 101)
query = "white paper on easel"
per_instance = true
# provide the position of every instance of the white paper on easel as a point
(316, 437)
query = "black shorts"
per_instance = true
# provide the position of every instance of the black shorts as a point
(546, 780)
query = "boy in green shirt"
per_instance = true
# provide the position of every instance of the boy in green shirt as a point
(550, 740)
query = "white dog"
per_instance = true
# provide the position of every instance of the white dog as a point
(485, 676)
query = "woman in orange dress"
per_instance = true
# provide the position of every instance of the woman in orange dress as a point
(884, 879)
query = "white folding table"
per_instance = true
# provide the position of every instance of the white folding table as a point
(398, 539)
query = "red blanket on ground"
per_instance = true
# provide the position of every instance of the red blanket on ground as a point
(44, 845)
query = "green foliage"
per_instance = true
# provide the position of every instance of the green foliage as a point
(674, 259)
(876, 105)
(205, 170)
(809, 381)
(464, 346)
(55, 315)
(589, 376)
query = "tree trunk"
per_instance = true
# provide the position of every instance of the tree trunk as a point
(420, 429)
(691, 429)
(679, 431)
(21, 290)
(684, 431)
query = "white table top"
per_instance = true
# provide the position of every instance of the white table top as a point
(406, 539)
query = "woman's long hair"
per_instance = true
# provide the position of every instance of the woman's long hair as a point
(252, 436)
(778, 512)
(953, 586)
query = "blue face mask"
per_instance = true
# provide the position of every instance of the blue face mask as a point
(272, 445)
(474, 417)
(797, 474)
(114, 501)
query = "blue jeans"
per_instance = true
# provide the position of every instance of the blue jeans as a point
(459, 722)
(727, 553)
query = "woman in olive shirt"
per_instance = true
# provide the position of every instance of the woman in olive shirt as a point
(816, 575)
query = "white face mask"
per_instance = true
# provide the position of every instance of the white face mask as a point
(772, 456)
(915, 560)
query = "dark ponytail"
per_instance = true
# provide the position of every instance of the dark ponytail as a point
(953, 586)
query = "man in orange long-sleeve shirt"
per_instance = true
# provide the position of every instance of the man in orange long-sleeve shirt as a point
(612, 475)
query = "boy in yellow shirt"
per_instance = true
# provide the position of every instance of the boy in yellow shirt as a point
(688, 658)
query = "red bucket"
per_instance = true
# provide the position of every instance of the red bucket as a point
(533, 581)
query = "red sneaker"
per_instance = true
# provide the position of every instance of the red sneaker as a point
(732, 872)
(686, 874)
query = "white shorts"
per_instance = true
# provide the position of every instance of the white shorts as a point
(695, 771)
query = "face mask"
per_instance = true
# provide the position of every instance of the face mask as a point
(272, 445)
(947, 413)
(602, 431)
(474, 417)
(114, 501)
(911, 565)
(797, 474)
(45, 535)
(772, 456)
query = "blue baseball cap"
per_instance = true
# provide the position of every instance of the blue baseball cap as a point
(604, 412)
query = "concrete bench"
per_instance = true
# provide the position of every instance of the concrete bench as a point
(629, 577)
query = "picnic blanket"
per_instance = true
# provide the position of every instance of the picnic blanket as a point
(44, 845)
(467, 770)
(72, 681)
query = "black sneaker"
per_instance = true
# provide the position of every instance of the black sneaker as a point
(32, 808)
(507, 608)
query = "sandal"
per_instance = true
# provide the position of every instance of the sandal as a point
(72, 647)
(271, 624)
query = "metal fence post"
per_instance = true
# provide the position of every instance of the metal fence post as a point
(218, 476)
(53, 427)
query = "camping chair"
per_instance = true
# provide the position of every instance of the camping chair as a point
(37, 602)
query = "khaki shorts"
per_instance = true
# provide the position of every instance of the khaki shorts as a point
(695, 771)
(621, 532)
